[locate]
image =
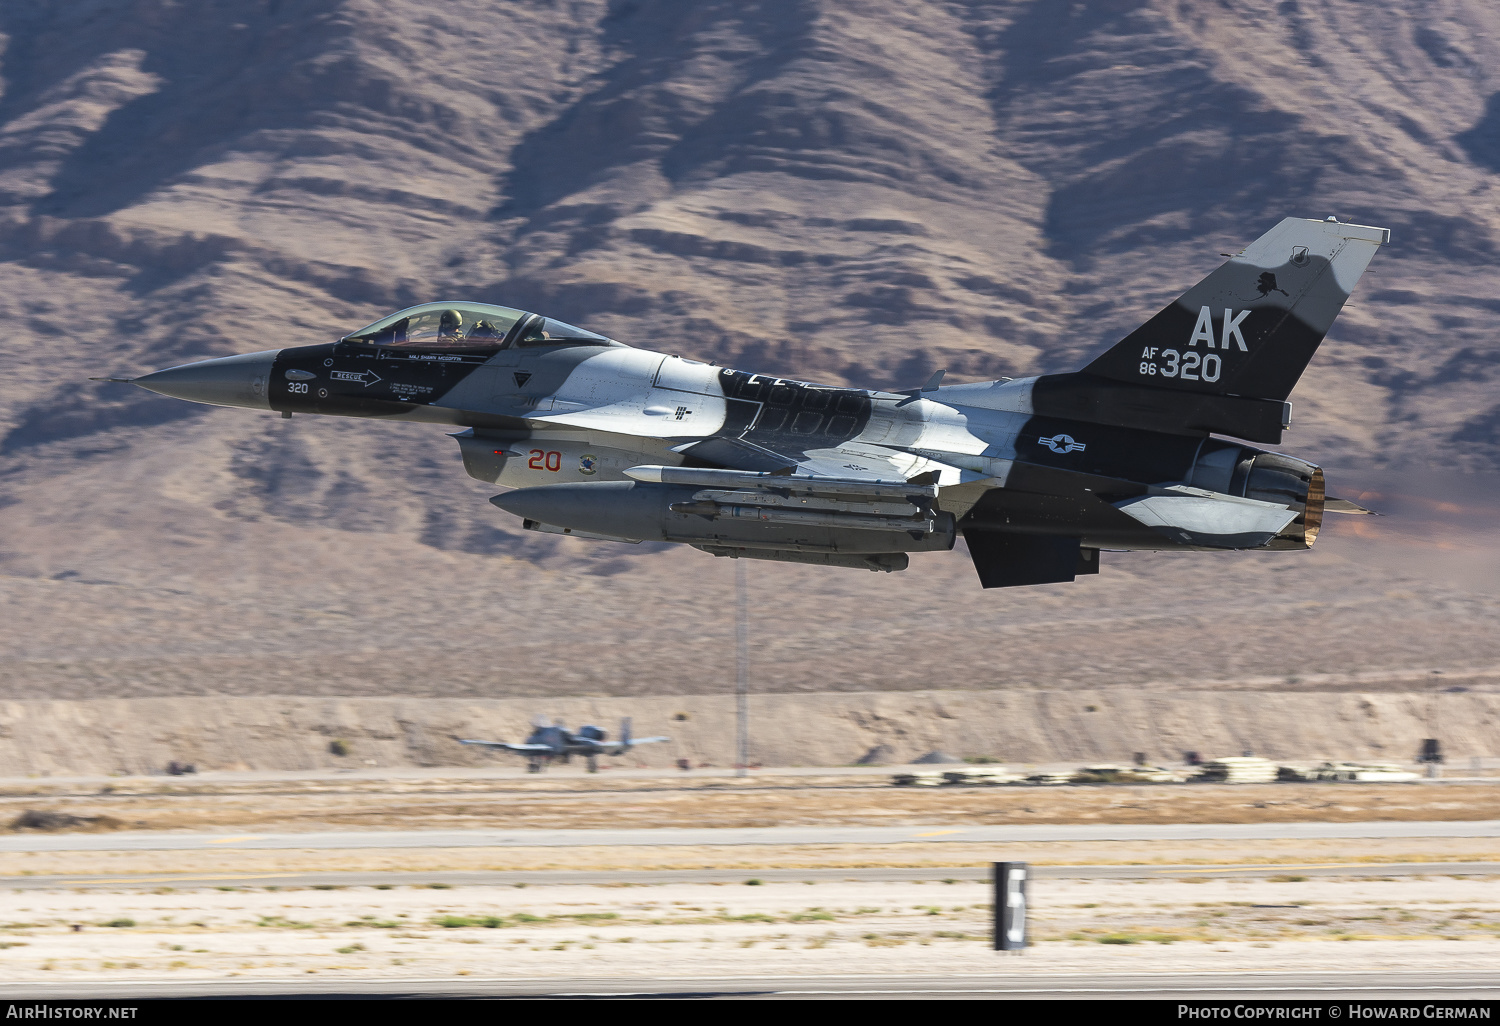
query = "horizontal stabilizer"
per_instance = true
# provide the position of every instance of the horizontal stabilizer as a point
(1217, 521)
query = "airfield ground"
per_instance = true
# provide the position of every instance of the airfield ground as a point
(238, 935)
(460, 799)
(222, 915)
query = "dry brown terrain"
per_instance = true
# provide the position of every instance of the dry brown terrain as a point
(225, 865)
(859, 192)
(1335, 718)
(241, 934)
(275, 610)
(491, 804)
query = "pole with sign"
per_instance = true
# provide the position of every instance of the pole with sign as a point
(1010, 906)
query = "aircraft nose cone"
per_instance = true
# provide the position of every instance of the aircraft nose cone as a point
(242, 380)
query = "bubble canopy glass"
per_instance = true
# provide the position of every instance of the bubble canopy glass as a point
(471, 325)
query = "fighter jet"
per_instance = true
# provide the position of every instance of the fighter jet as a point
(1143, 448)
(558, 742)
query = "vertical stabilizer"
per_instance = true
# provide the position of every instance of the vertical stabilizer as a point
(1250, 327)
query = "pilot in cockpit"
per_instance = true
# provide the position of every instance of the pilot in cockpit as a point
(449, 324)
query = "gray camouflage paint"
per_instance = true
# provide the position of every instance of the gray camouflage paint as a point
(1116, 455)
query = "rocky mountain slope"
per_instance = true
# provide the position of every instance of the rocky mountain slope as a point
(856, 192)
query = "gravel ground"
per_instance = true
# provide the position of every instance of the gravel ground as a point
(785, 928)
(438, 803)
(747, 857)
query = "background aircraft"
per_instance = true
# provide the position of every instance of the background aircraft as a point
(608, 442)
(547, 743)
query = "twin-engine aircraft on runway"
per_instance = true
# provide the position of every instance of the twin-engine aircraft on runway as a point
(603, 441)
(558, 742)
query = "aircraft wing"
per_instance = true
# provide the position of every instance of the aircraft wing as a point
(620, 748)
(884, 487)
(852, 461)
(741, 489)
(854, 469)
(508, 747)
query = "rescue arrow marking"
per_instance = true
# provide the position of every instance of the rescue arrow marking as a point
(365, 377)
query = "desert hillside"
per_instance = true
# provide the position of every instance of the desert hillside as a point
(855, 192)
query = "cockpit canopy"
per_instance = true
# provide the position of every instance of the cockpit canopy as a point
(472, 326)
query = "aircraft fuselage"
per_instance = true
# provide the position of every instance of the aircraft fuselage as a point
(606, 441)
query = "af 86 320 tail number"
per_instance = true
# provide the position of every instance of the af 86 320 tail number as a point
(1189, 366)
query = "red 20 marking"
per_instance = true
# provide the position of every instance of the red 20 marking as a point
(545, 460)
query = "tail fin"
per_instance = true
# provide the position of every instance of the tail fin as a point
(625, 731)
(1250, 328)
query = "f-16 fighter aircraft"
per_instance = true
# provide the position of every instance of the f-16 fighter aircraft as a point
(1144, 448)
(558, 742)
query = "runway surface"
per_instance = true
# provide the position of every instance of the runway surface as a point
(354, 839)
(1395, 986)
(570, 878)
